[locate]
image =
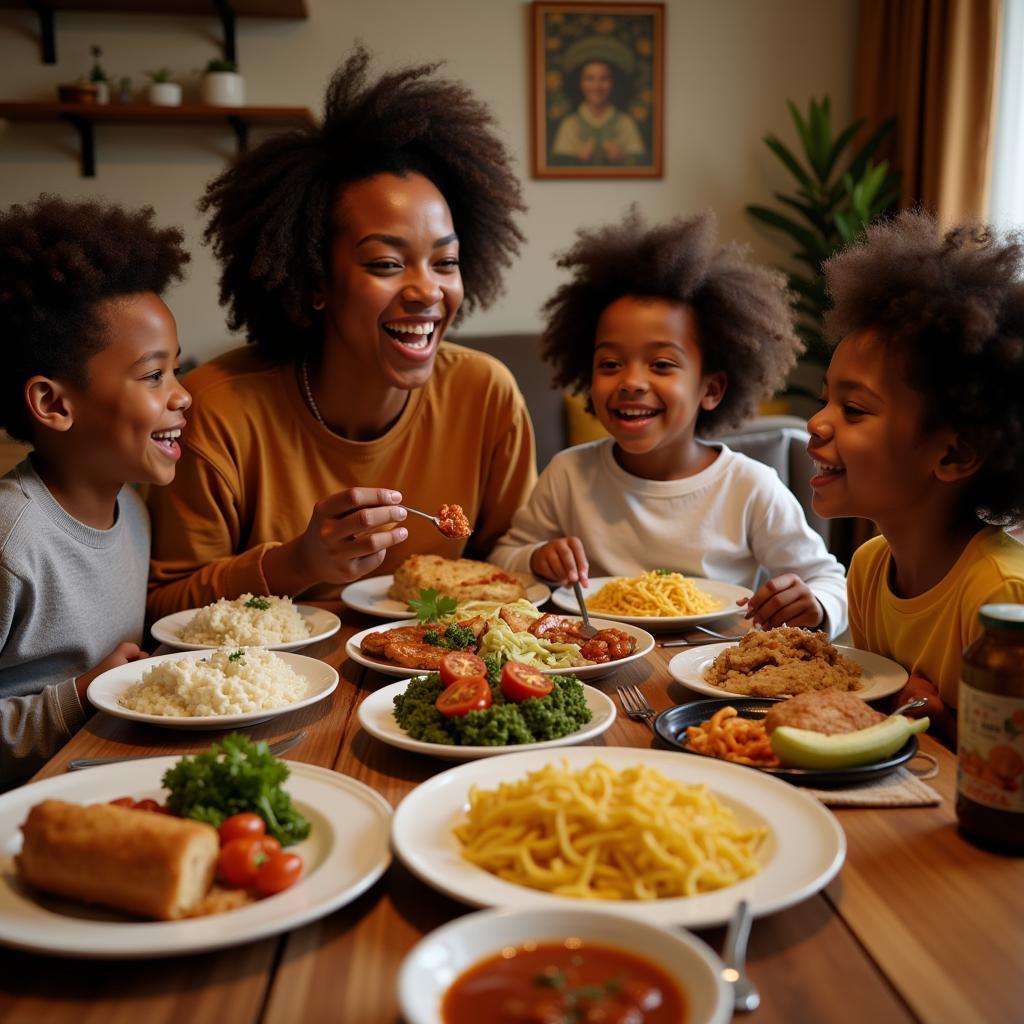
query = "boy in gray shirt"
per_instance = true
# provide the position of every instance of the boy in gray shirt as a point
(88, 355)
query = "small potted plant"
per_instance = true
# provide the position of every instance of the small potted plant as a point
(222, 85)
(163, 90)
(98, 77)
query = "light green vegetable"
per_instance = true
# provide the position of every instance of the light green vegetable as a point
(802, 748)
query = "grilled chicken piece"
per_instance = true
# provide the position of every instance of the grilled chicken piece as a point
(517, 621)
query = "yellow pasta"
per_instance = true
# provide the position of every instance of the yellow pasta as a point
(603, 834)
(653, 593)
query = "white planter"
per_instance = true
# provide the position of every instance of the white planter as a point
(165, 94)
(102, 92)
(222, 89)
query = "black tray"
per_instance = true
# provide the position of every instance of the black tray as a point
(671, 726)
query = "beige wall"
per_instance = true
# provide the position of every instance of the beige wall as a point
(730, 66)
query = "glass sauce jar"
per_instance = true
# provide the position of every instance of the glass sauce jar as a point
(990, 732)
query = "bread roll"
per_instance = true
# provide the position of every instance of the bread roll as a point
(149, 864)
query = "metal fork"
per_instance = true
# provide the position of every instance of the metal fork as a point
(636, 705)
(92, 762)
(586, 629)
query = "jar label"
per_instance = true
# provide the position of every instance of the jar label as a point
(990, 749)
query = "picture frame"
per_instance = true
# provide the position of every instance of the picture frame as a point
(598, 90)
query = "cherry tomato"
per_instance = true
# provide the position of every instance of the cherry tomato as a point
(279, 871)
(463, 696)
(148, 805)
(269, 845)
(460, 665)
(240, 860)
(123, 801)
(240, 826)
(521, 682)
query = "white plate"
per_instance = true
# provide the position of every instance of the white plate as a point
(440, 957)
(803, 852)
(321, 623)
(371, 596)
(881, 677)
(727, 593)
(105, 690)
(644, 646)
(346, 852)
(377, 717)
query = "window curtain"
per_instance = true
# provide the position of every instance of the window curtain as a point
(934, 66)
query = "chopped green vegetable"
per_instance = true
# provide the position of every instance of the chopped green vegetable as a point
(455, 638)
(233, 776)
(260, 603)
(236, 656)
(505, 722)
(431, 606)
(663, 572)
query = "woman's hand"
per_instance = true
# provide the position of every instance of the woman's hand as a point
(343, 541)
(784, 600)
(562, 560)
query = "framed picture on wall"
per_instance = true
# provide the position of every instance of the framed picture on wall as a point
(598, 90)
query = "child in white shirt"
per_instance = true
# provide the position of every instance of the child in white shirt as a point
(674, 339)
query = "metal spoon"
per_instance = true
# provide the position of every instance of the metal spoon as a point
(734, 953)
(919, 702)
(426, 515)
(586, 629)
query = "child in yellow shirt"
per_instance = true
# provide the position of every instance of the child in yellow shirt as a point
(922, 431)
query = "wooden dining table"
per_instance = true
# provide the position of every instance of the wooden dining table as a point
(919, 924)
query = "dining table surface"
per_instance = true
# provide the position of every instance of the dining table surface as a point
(918, 925)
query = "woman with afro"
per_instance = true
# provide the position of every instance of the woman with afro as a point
(673, 339)
(348, 250)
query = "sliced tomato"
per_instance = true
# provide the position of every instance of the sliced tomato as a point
(123, 801)
(464, 695)
(461, 665)
(279, 871)
(238, 826)
(521, 682)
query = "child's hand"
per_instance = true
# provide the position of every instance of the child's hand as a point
(942, 724)
(120, 655)
(562, 560)
(784, 600)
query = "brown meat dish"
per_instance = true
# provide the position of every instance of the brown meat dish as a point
(781, 662)
(828, 711)
(453, 522)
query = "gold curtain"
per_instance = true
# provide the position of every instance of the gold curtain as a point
(933, 65)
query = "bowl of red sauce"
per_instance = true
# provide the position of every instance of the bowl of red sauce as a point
(519, 966)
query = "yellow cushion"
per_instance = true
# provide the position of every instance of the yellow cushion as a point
(580, 425)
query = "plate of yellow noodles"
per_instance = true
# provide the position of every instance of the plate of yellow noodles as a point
(657, 599)
(642, 833)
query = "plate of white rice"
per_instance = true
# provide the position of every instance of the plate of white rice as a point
(212, 689)
(247, 621)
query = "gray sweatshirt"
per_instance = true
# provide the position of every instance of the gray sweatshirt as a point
(69, 594)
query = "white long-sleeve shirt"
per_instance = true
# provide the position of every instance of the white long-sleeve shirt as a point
(724, 523)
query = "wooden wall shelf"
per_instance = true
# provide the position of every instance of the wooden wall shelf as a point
(226, 10)
(85, 116)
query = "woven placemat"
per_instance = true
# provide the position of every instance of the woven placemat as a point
(901, 788)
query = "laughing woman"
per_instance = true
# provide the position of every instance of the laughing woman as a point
(348, 250)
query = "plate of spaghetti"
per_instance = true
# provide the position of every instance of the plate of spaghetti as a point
(733, 730)
(643, 833)
(656, 600)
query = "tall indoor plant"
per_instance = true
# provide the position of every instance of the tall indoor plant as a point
(836, 196)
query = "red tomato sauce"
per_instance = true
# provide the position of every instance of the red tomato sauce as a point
(558, 982)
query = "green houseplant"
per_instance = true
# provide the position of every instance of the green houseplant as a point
(837, 195)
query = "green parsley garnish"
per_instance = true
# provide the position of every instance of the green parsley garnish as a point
(663, 572)
(237, 656)
(260, 603)
(431, 606)
(233, 776)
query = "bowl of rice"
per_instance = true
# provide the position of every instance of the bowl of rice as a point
(212, 689)
(247, 621)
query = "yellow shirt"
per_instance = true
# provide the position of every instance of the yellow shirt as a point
(255, 461)
(928, 633)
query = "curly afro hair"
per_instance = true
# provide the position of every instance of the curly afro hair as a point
(951, 306)
(272, 211)
(745, 321)
(58, 261)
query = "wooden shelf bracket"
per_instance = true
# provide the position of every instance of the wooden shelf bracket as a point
(227, 19)
(86, 143)
(47, 38)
